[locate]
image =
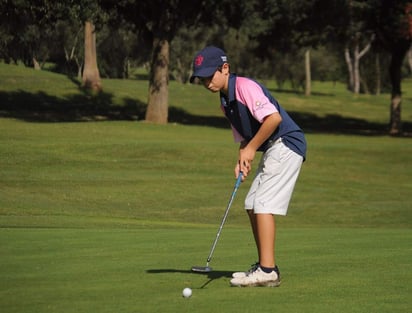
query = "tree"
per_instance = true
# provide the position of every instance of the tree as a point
(359, 37)
(394, 29)
(25, 32)
(157, 106)
(353, 60)
(91, 76)
(157, 22)
(118, 50)
(89, 12)
(308, 74)
(292, 25)
(69, 59)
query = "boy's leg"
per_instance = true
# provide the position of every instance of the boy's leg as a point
(265, 273)
(253, 224)
(269, 195)
(266, 233)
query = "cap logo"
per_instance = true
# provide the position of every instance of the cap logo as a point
(224, 58)
(199, 60)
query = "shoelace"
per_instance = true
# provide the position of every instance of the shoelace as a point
(254, 267)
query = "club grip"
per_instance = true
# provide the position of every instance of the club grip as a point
(239, 180)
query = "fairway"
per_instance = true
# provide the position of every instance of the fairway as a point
(111, 216)
(145, 269)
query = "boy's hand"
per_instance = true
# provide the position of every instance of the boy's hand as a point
(248, 150)
(246, 156)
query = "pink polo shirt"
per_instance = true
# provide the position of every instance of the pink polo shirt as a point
(251, 95)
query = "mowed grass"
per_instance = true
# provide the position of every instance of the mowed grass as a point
(110, 216)
(146, 269)
(138, 172)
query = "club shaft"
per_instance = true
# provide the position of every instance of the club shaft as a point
(232, 197)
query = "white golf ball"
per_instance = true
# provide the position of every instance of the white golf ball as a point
(187, 292)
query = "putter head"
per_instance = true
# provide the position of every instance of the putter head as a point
(201, 269)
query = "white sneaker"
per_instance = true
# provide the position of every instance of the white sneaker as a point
(253, 268)
(257, 278)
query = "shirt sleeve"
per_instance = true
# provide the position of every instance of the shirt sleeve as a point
(251, 95)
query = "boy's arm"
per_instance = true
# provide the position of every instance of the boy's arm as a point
(247, 150)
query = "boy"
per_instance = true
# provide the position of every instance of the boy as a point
(258, 123)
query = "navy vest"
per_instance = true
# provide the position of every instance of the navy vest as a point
(247, 126)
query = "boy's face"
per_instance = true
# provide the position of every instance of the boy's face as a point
(219, 80)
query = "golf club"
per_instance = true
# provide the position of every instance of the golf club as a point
(207, 268)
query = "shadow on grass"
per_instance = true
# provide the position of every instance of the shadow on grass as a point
(299, 92)
(309, 122)
(210, 275)
(338, 124)
(181, 116)
(41, 107)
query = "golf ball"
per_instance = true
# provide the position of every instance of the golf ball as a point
(187, 292)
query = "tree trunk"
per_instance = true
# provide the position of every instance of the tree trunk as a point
(378, 74)
(398, 52)
(308, 78)
(157, 107)
(395, 115)
(353, 64)
(350, 68)
(36, 64)
(365, 86)
(356, 73)
(91, 75)
(410, 60)
(71, 56)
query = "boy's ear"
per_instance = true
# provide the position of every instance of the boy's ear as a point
(225, 68)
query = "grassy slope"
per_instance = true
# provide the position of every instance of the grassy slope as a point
(110, 216)
(135, 171)
(328, 100)
(69, 170)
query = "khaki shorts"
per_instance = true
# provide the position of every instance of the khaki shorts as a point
(272, 188)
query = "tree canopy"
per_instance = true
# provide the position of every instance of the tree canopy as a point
(264, 38)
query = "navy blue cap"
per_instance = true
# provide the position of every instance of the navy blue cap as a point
(207, 61)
